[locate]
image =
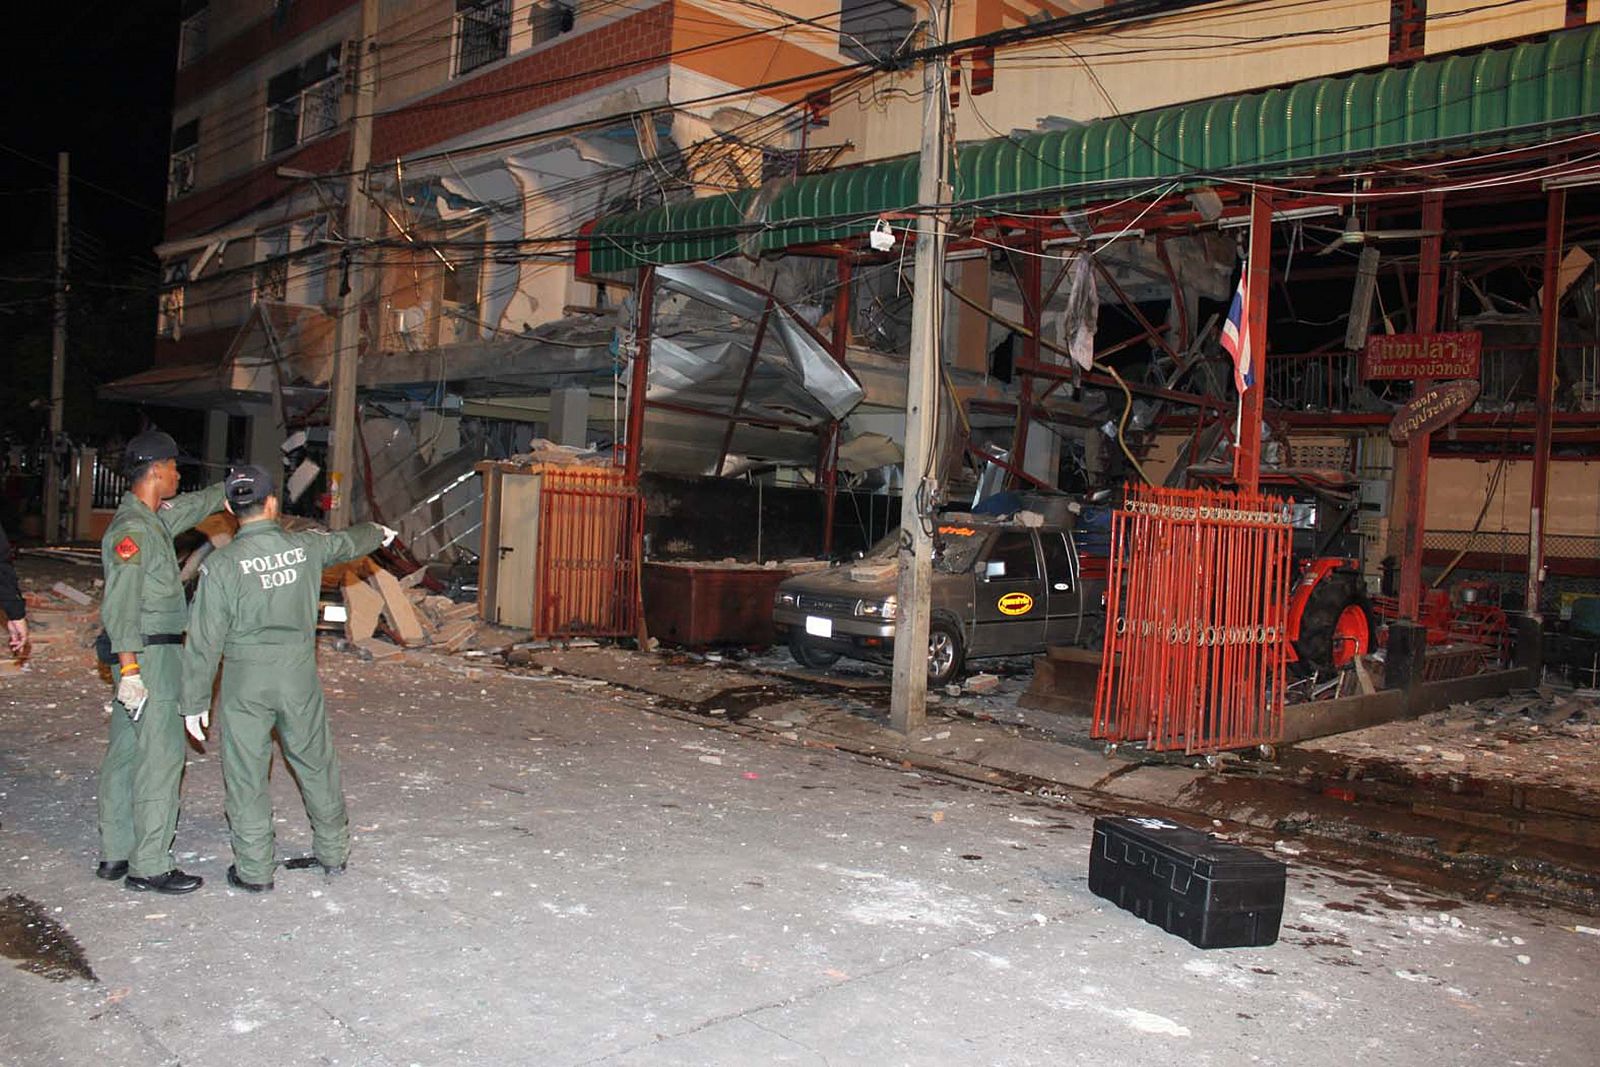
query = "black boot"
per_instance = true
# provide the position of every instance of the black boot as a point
(111, 871)
(174, 882)
(249, 887)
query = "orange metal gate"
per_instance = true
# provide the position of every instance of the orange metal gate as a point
(591, 524)
(1195, 607)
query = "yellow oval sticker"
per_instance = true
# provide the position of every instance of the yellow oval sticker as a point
(1015, 604)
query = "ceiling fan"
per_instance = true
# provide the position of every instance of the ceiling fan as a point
(1354, 234)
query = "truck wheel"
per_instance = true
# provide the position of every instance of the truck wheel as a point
(947, 652)
(808, 654)
(1336, 625)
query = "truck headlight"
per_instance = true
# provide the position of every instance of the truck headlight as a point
(886, 608)
(780, 599)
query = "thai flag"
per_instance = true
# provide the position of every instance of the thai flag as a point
(1236, 335)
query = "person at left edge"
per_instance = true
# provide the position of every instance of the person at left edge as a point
(11, 602)
(145, 614)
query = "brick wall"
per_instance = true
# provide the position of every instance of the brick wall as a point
(227, 58)
(573, 65)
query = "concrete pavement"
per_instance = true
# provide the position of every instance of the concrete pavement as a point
(549, 871)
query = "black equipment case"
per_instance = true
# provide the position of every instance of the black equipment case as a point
(1210, 893)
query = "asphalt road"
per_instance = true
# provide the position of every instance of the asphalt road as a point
(546, 872)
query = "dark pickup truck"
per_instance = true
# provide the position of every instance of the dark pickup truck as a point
(999, 589)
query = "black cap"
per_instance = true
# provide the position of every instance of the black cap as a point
(248, 484)
(152, 446)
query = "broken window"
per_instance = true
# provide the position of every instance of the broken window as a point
(169, 311)
(181, 163)
(272, 266)
(1012, 557)
(552, 19)
(461, 291)
(192, 31)
(1408, 22)
(303, 101)
(483, 33)
(873, 30)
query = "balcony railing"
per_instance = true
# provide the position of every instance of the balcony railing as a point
(1331, 381)
(309, 113)
(180, 171)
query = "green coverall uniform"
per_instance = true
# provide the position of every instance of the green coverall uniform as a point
(144, 600)
(256, 608)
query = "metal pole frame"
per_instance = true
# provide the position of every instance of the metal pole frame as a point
(1549, 323)
(1426, 320)
(639, 383)
(1247, 450)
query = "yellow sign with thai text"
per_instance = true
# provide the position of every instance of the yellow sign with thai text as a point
(1015, 604)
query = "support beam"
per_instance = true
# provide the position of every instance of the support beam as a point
(639, 383)
(1031, 283)
(1544, 403)
(744, 386)
(1247, 450)
(342, 428)
(1414, 518)
(829, 472)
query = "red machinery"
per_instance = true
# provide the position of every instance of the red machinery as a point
(1466, 613)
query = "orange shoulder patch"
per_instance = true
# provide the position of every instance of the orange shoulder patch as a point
(126, 549)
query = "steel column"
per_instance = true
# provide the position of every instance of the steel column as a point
(1426, 320)
(829, 471)
(1031, 283)
(640, 382)
(1247, 449)
(1544, 407)
(744, 386)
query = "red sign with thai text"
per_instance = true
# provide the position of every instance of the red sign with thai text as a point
(1409, 356)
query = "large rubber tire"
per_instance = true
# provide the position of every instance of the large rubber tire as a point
(1336, 626)
(947, 651)
(809, 654)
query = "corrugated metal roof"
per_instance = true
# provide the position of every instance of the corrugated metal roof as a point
(1486, 99)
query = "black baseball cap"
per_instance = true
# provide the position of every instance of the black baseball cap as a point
(248, 484)
(152, 446)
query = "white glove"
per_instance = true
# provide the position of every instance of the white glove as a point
(132, 694)
(388, 535)
(196, 724)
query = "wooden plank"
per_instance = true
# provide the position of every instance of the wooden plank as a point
(363, 604)
(1320, 718)
(398, 608)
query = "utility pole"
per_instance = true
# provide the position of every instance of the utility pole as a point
(908, 700)
(58, 361)
(347, 336)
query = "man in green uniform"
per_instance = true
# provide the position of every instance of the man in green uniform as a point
(256, 608)
(144, 614)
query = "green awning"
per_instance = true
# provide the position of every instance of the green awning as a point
(1491, 98)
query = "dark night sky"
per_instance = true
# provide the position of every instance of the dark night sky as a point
(93, 79)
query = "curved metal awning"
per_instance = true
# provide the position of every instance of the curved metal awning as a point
(1490, 98)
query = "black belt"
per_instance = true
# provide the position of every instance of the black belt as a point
(163, 639)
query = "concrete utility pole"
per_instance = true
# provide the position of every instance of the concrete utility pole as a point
(908, 700)
(58, 360)
(347, 337)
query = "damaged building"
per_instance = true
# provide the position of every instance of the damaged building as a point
(670, 235)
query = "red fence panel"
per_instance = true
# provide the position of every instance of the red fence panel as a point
(591, 522)
(1196, 606)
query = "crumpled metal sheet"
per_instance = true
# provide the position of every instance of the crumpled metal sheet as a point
(796, 375)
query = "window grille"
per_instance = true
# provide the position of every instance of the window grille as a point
(181, 163)
(483, 33)
(303, 101)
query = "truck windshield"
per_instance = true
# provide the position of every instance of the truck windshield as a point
(955, 547)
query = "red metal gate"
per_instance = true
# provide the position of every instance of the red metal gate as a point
(1195, 606)
(591, 524)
